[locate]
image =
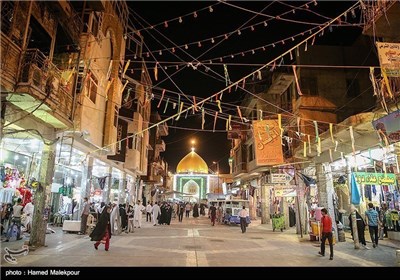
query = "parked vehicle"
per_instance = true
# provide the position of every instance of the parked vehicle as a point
(231, 210)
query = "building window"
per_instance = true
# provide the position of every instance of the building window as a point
(251, 153)
(92, 88)
(352, 88)
(309, 85)
(7, 15)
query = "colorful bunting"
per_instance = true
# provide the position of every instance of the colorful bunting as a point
(296, 80)
(126, 68)
(162, 96)
(180, 111)
(202, 118)
(215, 120)
(166, 105)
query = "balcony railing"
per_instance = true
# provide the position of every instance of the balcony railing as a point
(43, 80)
(10, 55)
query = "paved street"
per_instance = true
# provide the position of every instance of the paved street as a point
(195, 243)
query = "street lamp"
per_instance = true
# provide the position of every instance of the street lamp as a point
(217, 165)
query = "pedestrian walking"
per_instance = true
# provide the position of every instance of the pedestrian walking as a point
(149, 209)
(372, 217)
(213, 213)
(360, 227)
(102, 231)
(156, 213)
(326, 224)
(243, 216)
(84, 215)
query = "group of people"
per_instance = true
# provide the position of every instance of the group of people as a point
(13, 217)
(372, 220)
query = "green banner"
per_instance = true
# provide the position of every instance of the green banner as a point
(375, 178)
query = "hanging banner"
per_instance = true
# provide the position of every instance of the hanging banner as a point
(389, 58)
(375, 178)
(389, 127)
(355, 193)
(268, 146)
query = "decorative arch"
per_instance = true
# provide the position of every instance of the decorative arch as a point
(192, 188)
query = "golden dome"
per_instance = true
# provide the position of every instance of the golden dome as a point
(192, 163)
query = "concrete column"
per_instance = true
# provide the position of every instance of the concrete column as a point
(285, 211)
(86, 181)
(354, 228)
(107, 189)
(132, 191)
(121, 189)
(326, 191)
(139, 190)
(46, 173)
(265, 214)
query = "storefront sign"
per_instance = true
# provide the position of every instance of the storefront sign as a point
(389, 127)
(122, 133)
(375, 178)
(281, 178)
(284, 190)
(268, 142)
(389, 58)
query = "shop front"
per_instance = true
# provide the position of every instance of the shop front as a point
(19, 170)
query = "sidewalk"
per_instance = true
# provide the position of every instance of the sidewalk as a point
(395, 244)
(382, 242)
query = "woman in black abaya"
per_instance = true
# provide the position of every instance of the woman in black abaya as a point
(102, 232)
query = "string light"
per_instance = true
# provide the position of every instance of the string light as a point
(239, 33)
(252, 51)
(165, 24)
(226, 37)
(180, 20)
(265, 23)
(199, 44)
(212, 40)
(195, 14)
(160, 52)
(186, 47)
(252, 28)
(242, 53)
(210, 9)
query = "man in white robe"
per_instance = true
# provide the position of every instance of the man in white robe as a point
(115, 220)
(156, 211)
(28, 211)
(137, 217)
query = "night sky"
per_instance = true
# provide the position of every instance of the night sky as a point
(202, 82)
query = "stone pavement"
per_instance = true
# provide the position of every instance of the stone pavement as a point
(195, 243)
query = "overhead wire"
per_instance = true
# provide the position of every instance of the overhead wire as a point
(229, 86)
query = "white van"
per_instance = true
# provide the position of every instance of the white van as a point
(231, 210)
